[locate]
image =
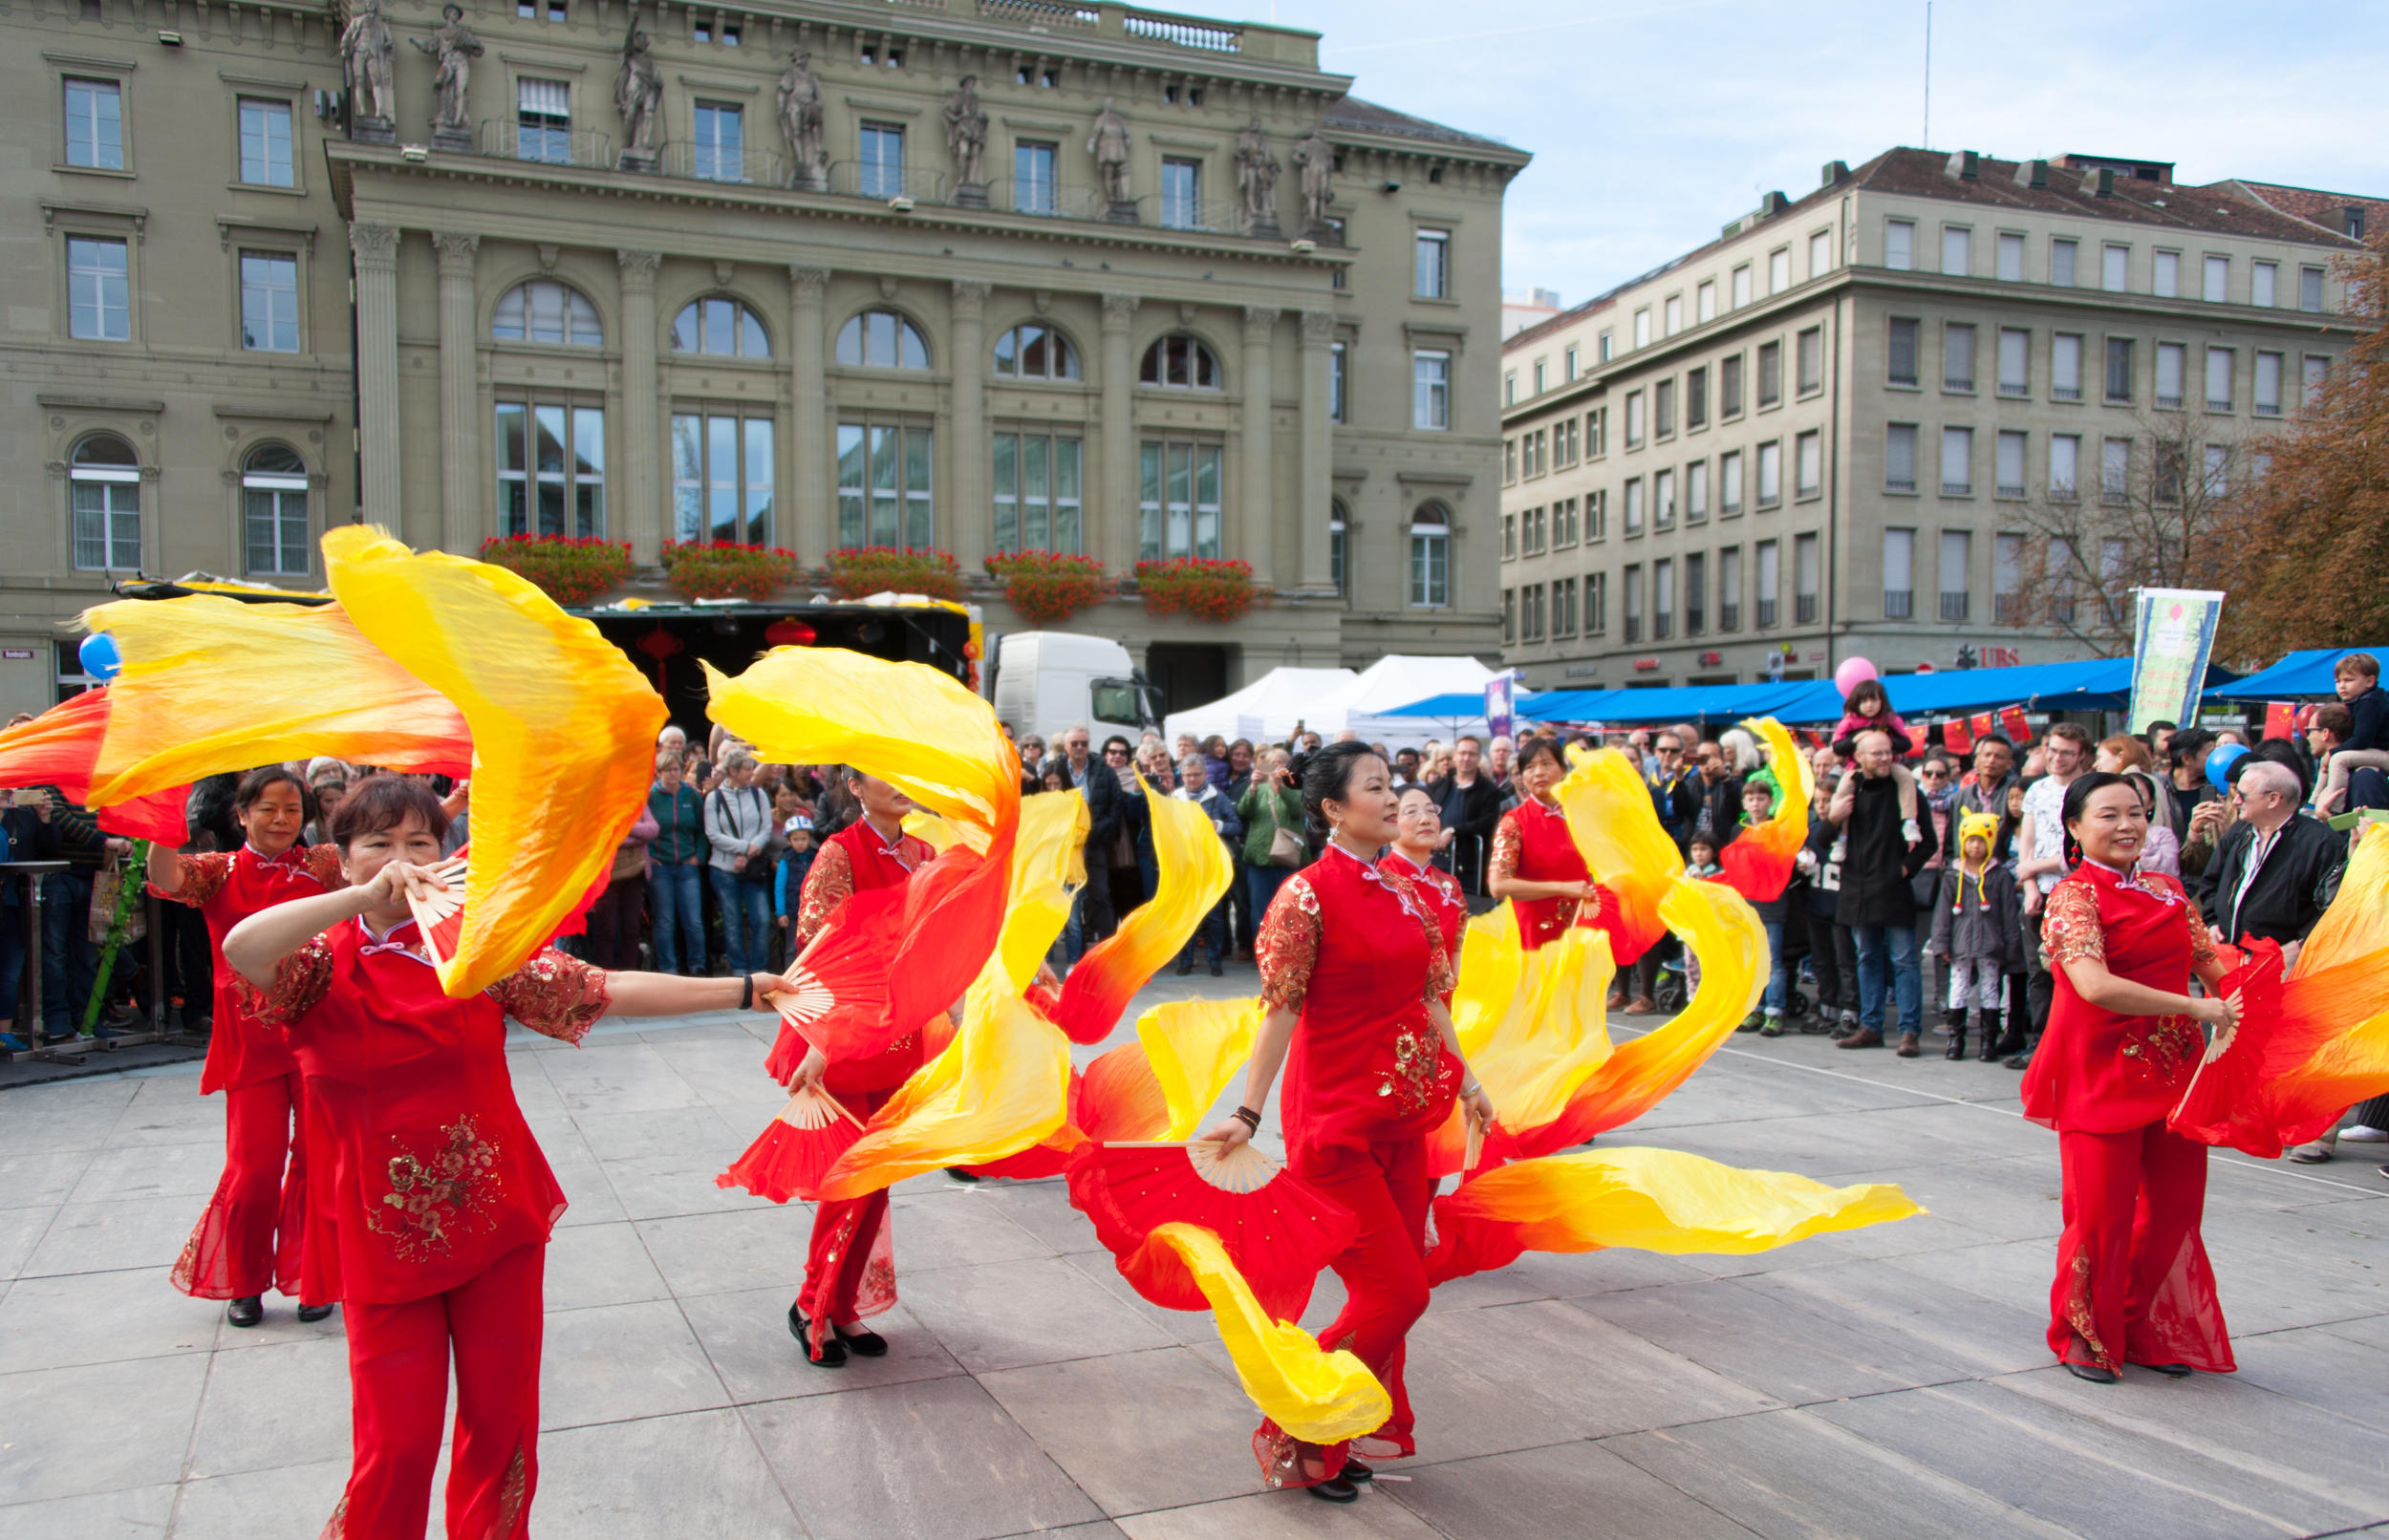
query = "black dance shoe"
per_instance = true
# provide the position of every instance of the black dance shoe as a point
(309, 1315)
(1334, 1490)
(1354, 1470)
(862, 1342)
(2090, 1372)
(247, 1311)
(2172, 1371)
(832, 1354)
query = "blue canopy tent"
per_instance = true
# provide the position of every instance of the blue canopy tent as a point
(1685, 703)
(2298, 675)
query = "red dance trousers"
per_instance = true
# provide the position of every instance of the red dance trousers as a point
(399, 1357)
(249, 1239)
(2133, 1281)
(845, 1234)
(1384, 1271)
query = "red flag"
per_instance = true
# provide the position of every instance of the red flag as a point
(2280, 718)
(1955, 737)
(1916, 738)
(1812, 737)
(1983, 723)
(2012, 721)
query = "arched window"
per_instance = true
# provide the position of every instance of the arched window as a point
(882, 339)
(1031, 350)
(104, 502)
(1181, 362)
(1338, 571)
(542, 311)
(1431, 557)
(719, 325)
(273, 508)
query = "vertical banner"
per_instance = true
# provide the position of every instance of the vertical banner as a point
(1499, 694)
(2172, 633)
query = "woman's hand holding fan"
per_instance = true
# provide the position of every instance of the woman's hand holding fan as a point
(434, 895)
(788, 1158)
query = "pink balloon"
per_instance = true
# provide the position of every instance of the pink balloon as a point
(1853, 672)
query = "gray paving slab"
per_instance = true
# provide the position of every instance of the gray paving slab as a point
(613, 1363)
(746, 1338)
(135, 1513)
(280, 1503)
(67, 1432)
(661, 1478)
(284, 1403)
(100, 1317)
(1137, 1431)
(1289, 1516)
(1553, 1491)
(1034, 1310)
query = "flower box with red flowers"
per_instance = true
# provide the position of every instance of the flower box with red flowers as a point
(1046, 588)
(861, 570)
(726, 569)
(1191, 586)
(571, 572)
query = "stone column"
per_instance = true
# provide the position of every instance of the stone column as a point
(639, 447)
(1318, 459)
(815, 472)
(1112, 537)
(1256, 524)
(376, 250)
(463, 523)
(971, 510)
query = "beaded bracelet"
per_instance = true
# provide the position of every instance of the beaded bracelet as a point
(1249, 1118)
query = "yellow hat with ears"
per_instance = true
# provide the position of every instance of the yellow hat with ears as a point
(1986, 824)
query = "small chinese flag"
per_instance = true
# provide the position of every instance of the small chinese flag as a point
(2280, 718)
(1916, 738)
(2012, 722)
(1983, 724)
(1955, 737)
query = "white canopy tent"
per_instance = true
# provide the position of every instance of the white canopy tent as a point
(1395, 682)
(1270, 706)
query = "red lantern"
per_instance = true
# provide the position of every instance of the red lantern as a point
(789, 631)
(659, 644)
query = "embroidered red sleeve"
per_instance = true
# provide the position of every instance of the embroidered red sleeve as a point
(554, 995)
(204, 874)
(1503, 863)
(1287, 946)
(300, 982)
(323, 863)
(2070, 931)
(830, 883)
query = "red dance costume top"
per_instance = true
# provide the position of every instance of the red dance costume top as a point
(857, 859)
(1443, 898)
(421, 1169)
(1532, 843)
(228, 887)
(2095, 1071)
(1359, 954)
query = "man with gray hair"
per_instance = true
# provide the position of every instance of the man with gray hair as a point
(1194, 786)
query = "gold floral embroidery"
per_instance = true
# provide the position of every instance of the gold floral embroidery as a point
(2163, 1046)
(1281, 1457)
(1418, 1067)
(2070, 931)
(300, 982)
(435, 1201)
(830, 883)
(1506, 847)
(512, 1490)
(556, 995)
(338, 1526)
(2077, 1310)
(1287, 946)
(204, 874)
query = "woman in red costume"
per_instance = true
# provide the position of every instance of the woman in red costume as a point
(249, 1237)
(1353, 973)
(1535, 862)
(850, 1269)
(2124, 1041)
(1418, 836)
(430, 1204)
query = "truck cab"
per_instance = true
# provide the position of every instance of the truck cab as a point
(1044, 681)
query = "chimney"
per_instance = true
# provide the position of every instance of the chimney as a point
(1965, 165)
(2099, 181)
(1835, 174)
(2031, 173)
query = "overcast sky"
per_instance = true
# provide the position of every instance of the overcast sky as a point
(1652, 122)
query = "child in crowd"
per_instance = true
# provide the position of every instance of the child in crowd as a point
(796, 864)
(1757, 807)
(2357, 678)
(1866, 707)
(1978, 932)
(1700, 864)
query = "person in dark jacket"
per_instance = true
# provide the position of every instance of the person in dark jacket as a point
(1768, 1020)
(2277, 869)
(1881, 851)
(677, 865)
(1832, 956)
(1470, 804)
(1978, 930)
(1092, 916)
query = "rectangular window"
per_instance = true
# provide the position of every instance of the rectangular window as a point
(2217, 480)
(2218, 286)
(1705, 301)
(273, 519)
(1563, 524)
(2063, 255)
(1430, 566)
(1509, 537)
(1805, 577)
(2165, 276)
(1430, 391)
(1633, 610)
(106, 505)
(2263, 279)
(2009, 463)
(1808, 464)
(99, 293)
(2016, 361)
(1531, 612)
(1567, 364)
(1531, 532)
(885, 494)
(2065, 368)
(1671, 315)
(1596, 602)
(1642, 328)
(1633, 419)
(2065, 459)
(1808, 360)
(1957, 585)
(721, 148)
(1179, 509)
(1899, 456)
(1034, 189)
(1730, 482)
(1741, 280)
(1596, 516)
(1770, 581)
(2172, 363)
(1663, 409)
(882, 156)
(265, 145)
(1696, 594)
(1696, 398)
(2310, 288)
(1563, 442)
(2006, 579)
(1779, 270)
(1819, 253)
(1899, 574)
(1509, 617)
(721, 477)
(1541, 385)
(1697, 492)
(1957, 463)
(1771, 473)
(2114, 470)
(1957, 356)
(269, 320)
(1662, 599)
(1510, 388)
(1432, 273)
(2010, 259)
(1729, 588)
(1509, 460)
(2220, 364)
(95, 124)
(1899, 244)
(2317, 375)
(552, 470)
(2269, 384)
(1036, 493)
(1770, 373)
(2118, 369)
(1899, 366)
(1603, 346)
(1633, 505)
(1956, 249)
(2115, 262)
(1597, 433)
(1729, 386)
(543, 120)
(1663, 500)
(1563, 609)
(1338, 409)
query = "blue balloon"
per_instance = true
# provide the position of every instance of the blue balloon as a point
(101, 658)
(2218, 764)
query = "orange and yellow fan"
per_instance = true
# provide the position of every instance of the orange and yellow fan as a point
(796, 1149)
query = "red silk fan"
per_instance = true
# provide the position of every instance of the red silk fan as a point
(791, 1155)
(2247, 1093)
(1276, 1228)
(438, 905)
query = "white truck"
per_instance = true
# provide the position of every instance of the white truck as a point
(1044, 681)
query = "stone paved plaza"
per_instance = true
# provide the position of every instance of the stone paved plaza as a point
(1890, 1382)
